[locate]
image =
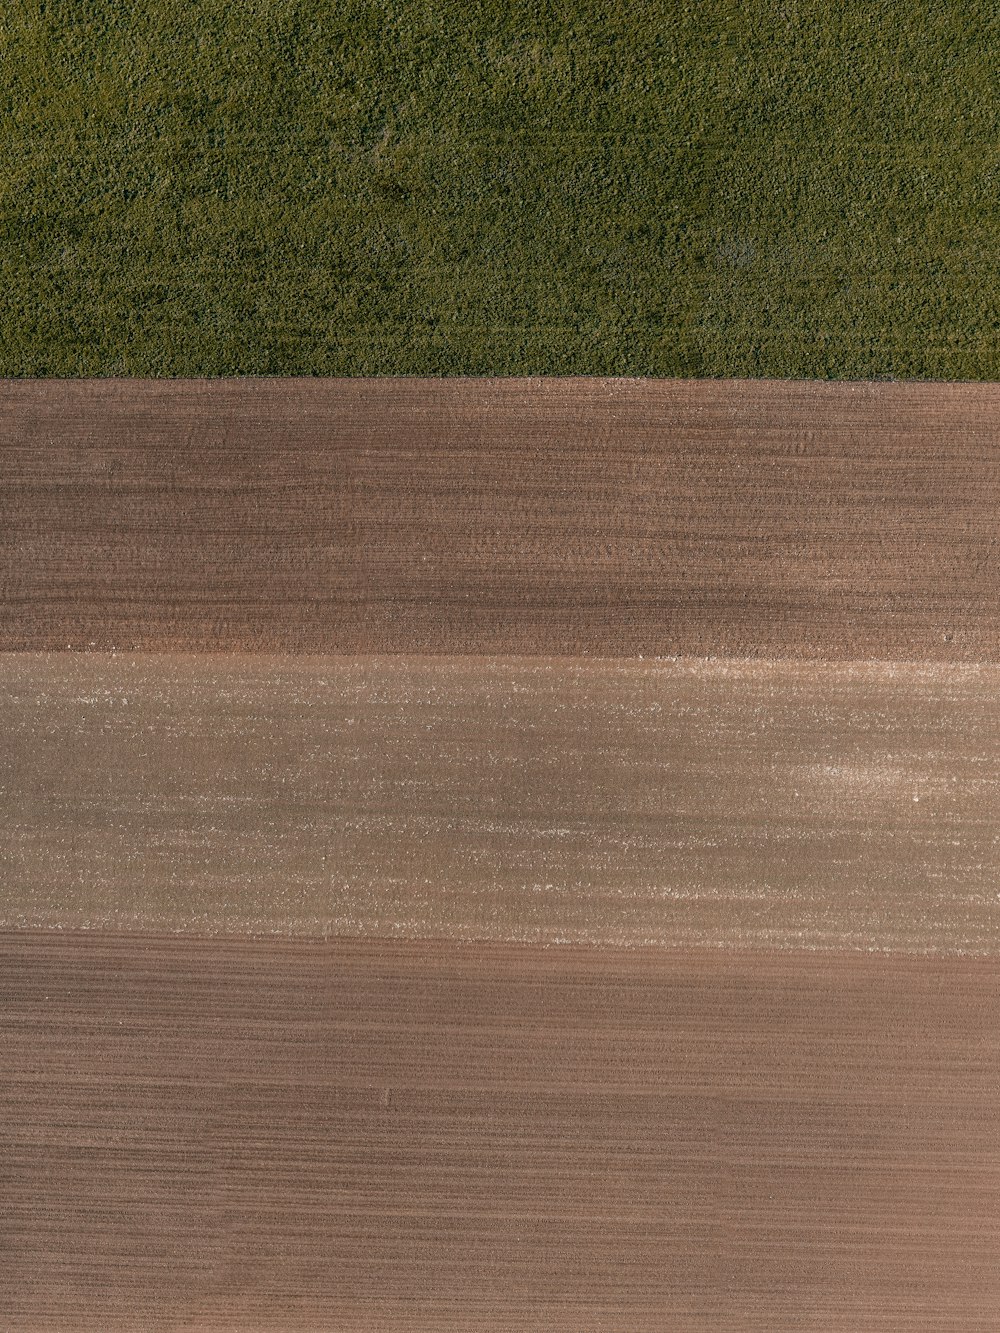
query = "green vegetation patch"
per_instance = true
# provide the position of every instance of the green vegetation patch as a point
(645, 188)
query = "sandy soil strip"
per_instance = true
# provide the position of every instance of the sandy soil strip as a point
(719, 803)
(605, 517)
(388, 1136)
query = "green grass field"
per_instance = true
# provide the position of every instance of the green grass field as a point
(676, 188)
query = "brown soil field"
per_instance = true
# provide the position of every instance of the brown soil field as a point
(372, 1135)
(724, 803)
(607, 517)
(499, 855)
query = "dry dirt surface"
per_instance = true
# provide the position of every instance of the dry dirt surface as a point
(607, 517)
(724, 803)
(386, 1136)
(356, 666)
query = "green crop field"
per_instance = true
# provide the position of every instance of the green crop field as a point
(645, 188)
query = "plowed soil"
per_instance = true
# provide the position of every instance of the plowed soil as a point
(386, 1136)
(725, 803)
(454, 1130)
(607, 517)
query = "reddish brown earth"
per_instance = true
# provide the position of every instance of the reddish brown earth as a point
(608, 517)
(382, 1134)
(386, 1136)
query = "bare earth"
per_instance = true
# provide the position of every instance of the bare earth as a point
(383, 1136)
(607, 517)
(782, 1117)
(723, 803)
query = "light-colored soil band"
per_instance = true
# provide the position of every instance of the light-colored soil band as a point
(715, 803)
